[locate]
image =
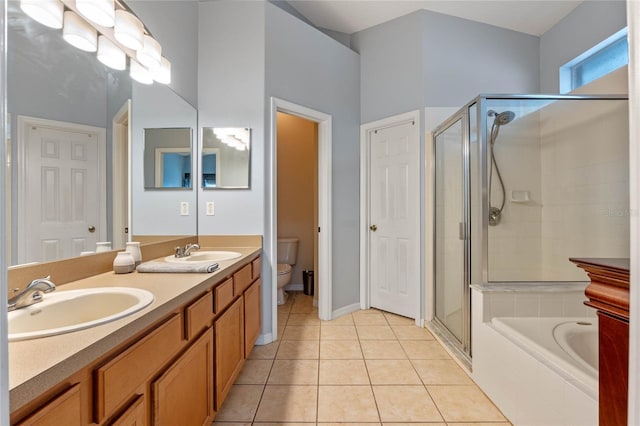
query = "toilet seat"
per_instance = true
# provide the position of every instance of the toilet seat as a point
(283, 268)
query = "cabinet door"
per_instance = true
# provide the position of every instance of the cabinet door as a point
(251, 316)
(134, 416)
(65, 410)
(229, 348)
(183, 395)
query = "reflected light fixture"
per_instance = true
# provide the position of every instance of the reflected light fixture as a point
(139, 73)
(128, 30)
(110, 54)
(163, 74)
(47, 12)
(101, 12)
(151, 53)
(77, 32)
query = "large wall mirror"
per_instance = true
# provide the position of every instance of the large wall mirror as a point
(74, 126)
(226, 157)
(167, 158)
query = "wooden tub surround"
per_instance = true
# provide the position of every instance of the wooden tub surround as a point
(171, 363)
(608, 293)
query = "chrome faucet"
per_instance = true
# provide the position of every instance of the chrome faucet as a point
(33, 293)
(186, 251)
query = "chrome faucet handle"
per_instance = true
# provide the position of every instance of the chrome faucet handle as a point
(179, 252)
(43, 284)
(189, 247)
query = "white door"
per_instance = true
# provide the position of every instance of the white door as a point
(61, 214)
(394, 219)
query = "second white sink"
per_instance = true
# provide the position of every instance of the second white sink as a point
(205, 256)
(71, 310)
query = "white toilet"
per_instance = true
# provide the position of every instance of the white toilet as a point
(287, 254)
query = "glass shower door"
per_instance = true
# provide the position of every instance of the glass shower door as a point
(451, 231)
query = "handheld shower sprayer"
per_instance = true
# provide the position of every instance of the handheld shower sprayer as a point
(499, 119)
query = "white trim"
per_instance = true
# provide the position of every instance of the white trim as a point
(264, 339)
(354, 307)
(365, 130)
(324, 205)
(121, 172)
(101, 135)
(633, 21)
(159, 159)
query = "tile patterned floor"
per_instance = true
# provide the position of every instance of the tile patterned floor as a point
(363, 369)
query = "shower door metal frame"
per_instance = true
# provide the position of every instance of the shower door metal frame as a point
(463, 346)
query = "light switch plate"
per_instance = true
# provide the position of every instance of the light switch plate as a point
(184, 208)
(210, 209)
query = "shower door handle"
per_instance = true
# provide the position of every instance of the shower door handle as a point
(462, 230)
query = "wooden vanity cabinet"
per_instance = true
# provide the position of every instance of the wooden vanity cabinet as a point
(252, 315)
(229, 341)
(135, 415)
(65, 409)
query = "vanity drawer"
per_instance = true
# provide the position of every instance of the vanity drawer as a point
(198, 315)
(222, 295)
(256, 268)
(65, 409)
(119, 379)
(242, 280)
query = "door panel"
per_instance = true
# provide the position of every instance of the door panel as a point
(394, 213)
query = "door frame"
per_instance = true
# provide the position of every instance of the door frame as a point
(121, 173)
(365, 187)
(324, 275)
(100, 132)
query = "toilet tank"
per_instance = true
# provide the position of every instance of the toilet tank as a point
(287, 250)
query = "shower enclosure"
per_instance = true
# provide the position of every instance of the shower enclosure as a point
(523, 183)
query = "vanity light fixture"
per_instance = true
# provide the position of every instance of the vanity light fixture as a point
(163, 74)
(139, 73)
(151, 53)
(110, 54)
(78, 33)
(237, 138)
(128, 30)
(47, 12)
(101, 12)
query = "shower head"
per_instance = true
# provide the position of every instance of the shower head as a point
(502, 118)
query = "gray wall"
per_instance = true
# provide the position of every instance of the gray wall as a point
(588, 24)
(309, 68)
(175, 25)
(430, 59)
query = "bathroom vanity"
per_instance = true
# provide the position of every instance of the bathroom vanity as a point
(172, 363)
(608, 293)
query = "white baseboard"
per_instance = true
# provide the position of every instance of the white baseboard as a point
(264, 339)
(345, 310)
(294, 287)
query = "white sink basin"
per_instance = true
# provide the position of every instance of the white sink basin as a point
(205, 256)
(71, 310)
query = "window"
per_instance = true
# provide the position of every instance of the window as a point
(598, 61)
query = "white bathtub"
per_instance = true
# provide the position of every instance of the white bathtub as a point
(569, 346)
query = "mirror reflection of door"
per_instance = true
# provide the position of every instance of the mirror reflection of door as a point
(167, 158)
(210, 167)
(173, 168)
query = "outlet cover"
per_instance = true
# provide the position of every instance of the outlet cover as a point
(210, 209)
(184, 208)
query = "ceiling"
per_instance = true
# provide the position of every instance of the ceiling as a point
(350, 16)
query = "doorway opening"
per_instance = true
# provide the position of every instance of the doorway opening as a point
(321, 233)
(121, 175)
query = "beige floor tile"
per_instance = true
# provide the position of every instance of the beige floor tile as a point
(405, 404)
(284, 309)
(411, 332)
(288, 404)
(464, 404)
(367, 312)
(301, 332)
(392, 372)
(283, 317)
(371, 318)
(349, 424)
(477, 424)
(299, 349)
(280, 331)
(254, 372)
(441, 372)
(412, 424)
(283, 424)
(230, 424)
(375, 332)
(241, 403)
(345, 332)
(394, 319)
(424, 349)
(303, 319)
(343, 372)
(294, 372)
(382, 349)
(343, 320)
(340, 349)
(265, 351)
(346, 404)
(303, 307)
